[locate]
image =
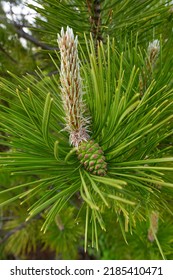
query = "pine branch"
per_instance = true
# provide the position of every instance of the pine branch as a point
(30, 38)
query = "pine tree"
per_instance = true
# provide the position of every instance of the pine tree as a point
(89, 158)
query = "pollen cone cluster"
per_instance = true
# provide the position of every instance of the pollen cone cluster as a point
(89, 152)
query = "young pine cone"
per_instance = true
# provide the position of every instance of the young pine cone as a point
(92, 158)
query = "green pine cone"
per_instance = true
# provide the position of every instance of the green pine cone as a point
(91, 156)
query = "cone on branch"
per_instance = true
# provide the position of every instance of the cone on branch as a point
(91, 156)
(89, 152)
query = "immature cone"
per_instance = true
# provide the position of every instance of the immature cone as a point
(92, 158)
(71, 88)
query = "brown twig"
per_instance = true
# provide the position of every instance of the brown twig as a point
(94, 9)
(28, 37)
